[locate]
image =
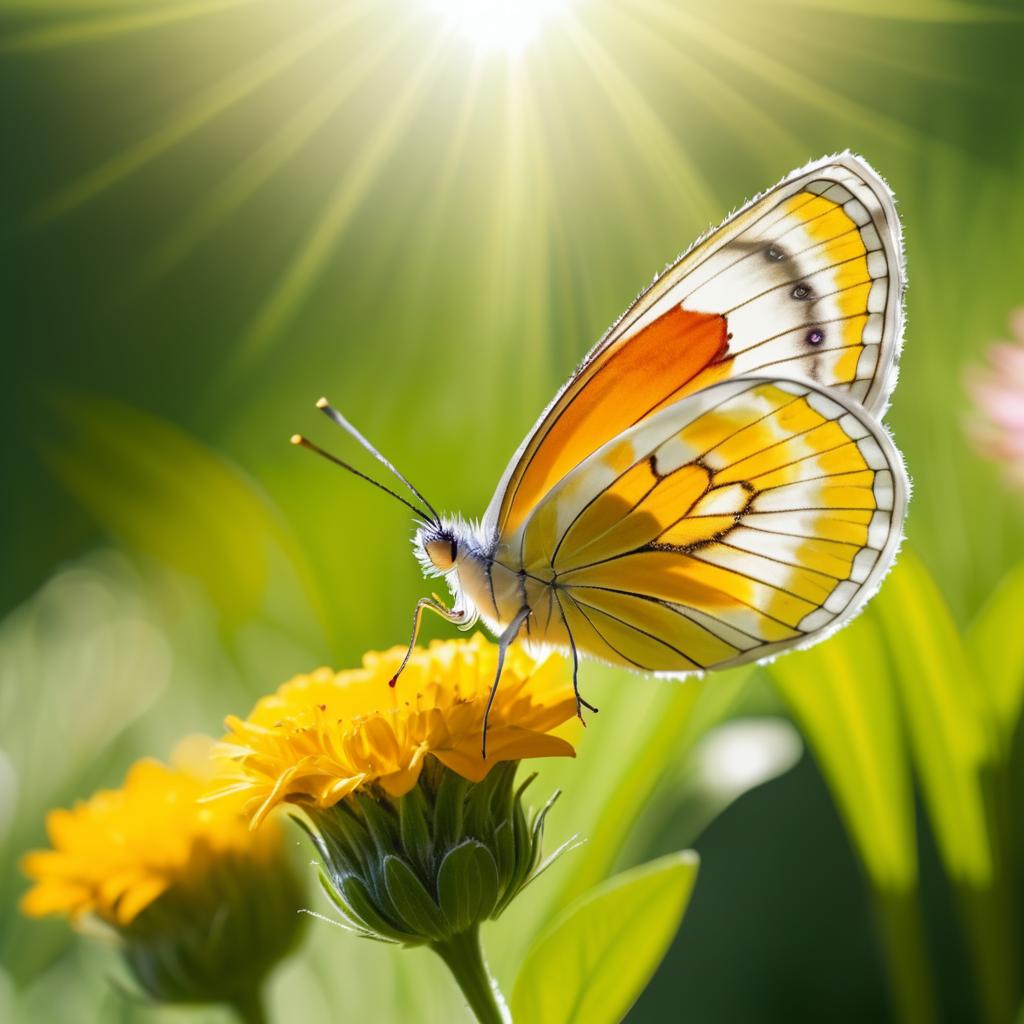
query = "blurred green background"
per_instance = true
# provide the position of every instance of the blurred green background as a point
(215, 211)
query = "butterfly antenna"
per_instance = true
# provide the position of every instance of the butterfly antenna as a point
(331, 413)
(304, 442)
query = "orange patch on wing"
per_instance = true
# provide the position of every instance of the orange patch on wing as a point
(851, 273)
(621, 387)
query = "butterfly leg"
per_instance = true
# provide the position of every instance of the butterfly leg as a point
(458, 616)
(580, 702)
(503, 641)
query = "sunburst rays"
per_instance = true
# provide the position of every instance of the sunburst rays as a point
(584, 88)
(82, 28)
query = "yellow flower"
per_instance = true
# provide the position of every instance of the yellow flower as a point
(323, 736)
(114, 854)
(200, 907)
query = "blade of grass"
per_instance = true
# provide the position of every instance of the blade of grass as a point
(995, 643)
(841, 692)
(953, 739)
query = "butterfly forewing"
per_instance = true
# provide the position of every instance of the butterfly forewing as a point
(736, 522)
(804, 283)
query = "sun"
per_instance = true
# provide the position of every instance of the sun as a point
(499, 26)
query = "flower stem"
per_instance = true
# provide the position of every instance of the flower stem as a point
(250, 1008)
(465, 959)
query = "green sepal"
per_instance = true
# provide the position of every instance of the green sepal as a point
(504, 848)
(356, 897)
(432, 864)
(489, 801)
(418, 910)
(467, 885)
(523, 842)
(449, 808)
(348, 919)
(415, 833)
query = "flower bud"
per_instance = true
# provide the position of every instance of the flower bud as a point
(432, 863)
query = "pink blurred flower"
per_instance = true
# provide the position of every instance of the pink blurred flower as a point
(996, 426)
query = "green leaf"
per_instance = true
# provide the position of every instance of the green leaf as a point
(689, 710)
(842, 694)
(595, 959)
(467, 884)
(996, 644)
(167, 495)
(947, 714)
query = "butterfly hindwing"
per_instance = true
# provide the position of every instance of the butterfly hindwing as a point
(751, 517)
(804, 283)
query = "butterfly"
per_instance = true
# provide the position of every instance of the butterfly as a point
(713, 485)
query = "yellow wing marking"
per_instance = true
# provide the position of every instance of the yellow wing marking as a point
(744, 527)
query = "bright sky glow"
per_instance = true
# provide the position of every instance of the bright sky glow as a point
(493, 26)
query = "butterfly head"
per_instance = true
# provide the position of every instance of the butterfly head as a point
(445, 546)
(441, 547)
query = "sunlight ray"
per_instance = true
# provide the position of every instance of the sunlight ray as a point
(935, 11)
(766, 135)
(675, 170)
(903, 63)
(88, 30)
(539, 212)
(69, 7)
(566, 328)
(281, 147)
(783, 76)
(442, 192)
(427, 236)
(513, 281)
(617, 162)
(195, 114)
(309, 262)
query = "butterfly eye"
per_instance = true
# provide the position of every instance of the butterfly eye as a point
(442, 552)
(801, 291)
(815, 337)
(774, 253)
